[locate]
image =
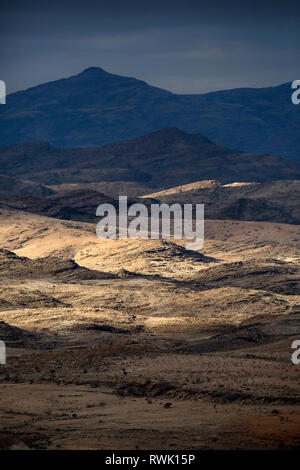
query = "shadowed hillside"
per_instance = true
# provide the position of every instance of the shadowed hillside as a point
(96, 107)
(165, 158)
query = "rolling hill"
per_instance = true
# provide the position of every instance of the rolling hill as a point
(161, 159)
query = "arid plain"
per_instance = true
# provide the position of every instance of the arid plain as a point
(142, 344)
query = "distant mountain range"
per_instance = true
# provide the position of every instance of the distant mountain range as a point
(96, 108)
(162, 159)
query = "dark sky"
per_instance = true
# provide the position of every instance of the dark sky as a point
(185, 47)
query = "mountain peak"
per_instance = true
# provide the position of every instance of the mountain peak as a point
(94, 71)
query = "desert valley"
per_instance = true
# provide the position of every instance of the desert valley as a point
(144, 344)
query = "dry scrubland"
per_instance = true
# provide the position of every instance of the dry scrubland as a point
(145, 345)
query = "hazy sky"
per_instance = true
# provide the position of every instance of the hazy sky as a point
(185, 47)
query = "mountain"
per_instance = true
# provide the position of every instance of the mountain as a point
(96, 108)
(162, 159)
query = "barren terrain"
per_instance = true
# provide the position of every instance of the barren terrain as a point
(142, 344)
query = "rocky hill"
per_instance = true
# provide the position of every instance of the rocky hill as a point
(276, 201)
